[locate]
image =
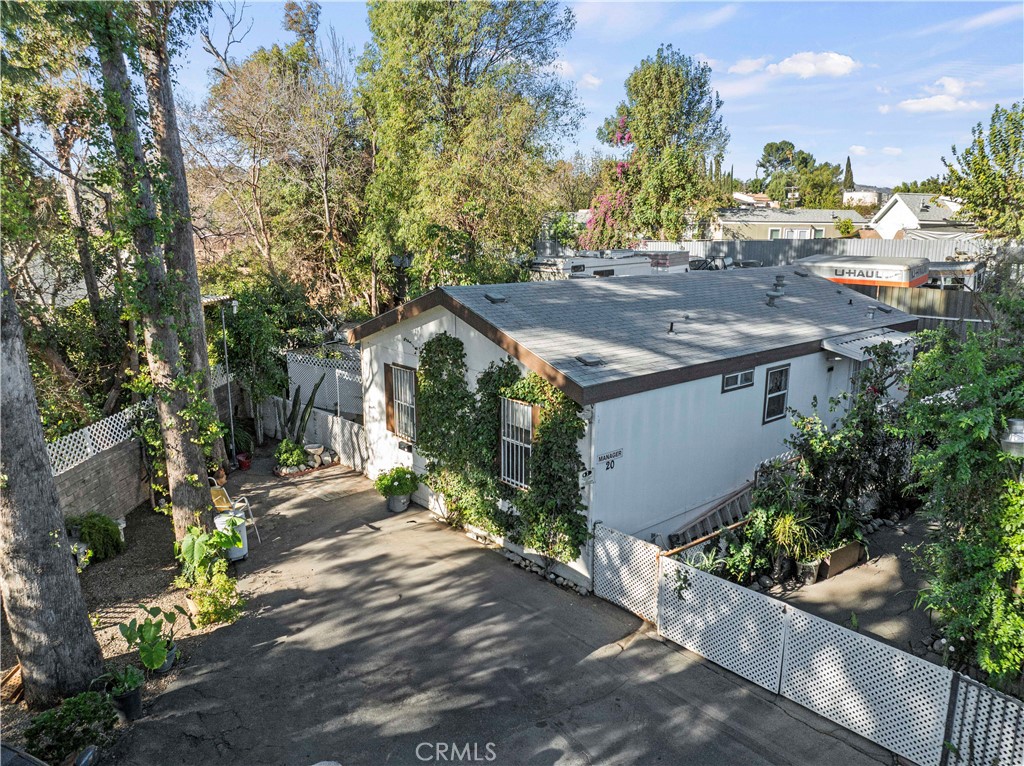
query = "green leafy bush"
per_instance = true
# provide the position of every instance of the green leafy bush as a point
(85, 719)
(398, 481)
(100, 533)
(215, 594)
(124, 680)
(289, 454)
(199, 550)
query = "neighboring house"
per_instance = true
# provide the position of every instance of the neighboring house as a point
(865, 197)
(931, 216)
(792, 223)
(686, 380)
(753, 200)
(610, 263)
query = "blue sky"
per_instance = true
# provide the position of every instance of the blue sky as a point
(893, 85)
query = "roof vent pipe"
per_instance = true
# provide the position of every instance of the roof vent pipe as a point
(772, 295)
(780, 284)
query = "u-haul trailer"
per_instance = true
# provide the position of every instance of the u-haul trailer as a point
(874, 270)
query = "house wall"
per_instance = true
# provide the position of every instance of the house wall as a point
(896, 219)
(685, 446)
(759, 230)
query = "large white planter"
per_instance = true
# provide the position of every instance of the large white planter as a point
(221, 522)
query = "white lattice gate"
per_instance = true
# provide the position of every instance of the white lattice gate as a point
(341, 390)
(626, 571)
(732, 626)
(886, 695)
(987, 727)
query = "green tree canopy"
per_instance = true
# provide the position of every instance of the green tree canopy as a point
(988, 175)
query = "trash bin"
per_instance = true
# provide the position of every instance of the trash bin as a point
(221, 521)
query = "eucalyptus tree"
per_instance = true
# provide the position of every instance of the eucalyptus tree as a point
(42, 598)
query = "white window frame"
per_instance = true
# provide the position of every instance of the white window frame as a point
(770, 395)
(516, 442)
(817, 233)
(733, 381)
(403, 399)
(777, 232)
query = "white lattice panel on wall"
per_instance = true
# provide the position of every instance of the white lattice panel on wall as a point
(888, 696)
(732, 626)
(304, 370)
(68, 451)
(988, 727)
(626, 571)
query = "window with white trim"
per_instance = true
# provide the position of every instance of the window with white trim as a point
(819, 233)
(516, 442)
(776, 393)
(403, 402)
(774, 233)
(734, 380)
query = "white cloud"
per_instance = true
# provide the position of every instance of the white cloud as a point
(562, 68)
(858, 150)
(892, 151)
(703, 21)
(705, 59)
(590, 81)
(808, 64)
(883, 90)
(746, 86)
(946, 97)
(748, 66)
(941, 103)
(1004, 15)
(884, 108)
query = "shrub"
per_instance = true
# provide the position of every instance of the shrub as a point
(398, 481)
(99, 533)
(215, 593)
(289, 454)
(86, 719)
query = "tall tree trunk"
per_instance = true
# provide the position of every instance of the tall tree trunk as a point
(183, 274)
(186, 467)
(46, 612)
(73, 197)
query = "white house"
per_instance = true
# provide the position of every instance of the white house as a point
(928, 215)
(685, 379)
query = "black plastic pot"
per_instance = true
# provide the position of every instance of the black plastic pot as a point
(782, 567)
(172, 653)
(129, 703)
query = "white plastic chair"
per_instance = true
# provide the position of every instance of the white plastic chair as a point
(222, 502)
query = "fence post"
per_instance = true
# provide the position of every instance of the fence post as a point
(786, 622)
(947, 734)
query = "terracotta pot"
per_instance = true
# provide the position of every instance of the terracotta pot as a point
(244, 462)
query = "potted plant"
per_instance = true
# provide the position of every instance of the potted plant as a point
(397, 485)
(807, 569)
(125, 688)
(154, 636)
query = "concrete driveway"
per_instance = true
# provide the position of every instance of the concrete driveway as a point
(372, 638)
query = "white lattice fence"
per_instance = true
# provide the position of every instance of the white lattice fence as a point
(988, 727)
(68, 451)
(626, 571)
(886, 695)
(341, 374)
(732, 626)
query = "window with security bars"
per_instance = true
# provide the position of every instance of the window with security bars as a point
(776, 393)
(400, 385)
(516, 441)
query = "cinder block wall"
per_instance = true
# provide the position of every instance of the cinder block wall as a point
(113, 482)
(110, 483)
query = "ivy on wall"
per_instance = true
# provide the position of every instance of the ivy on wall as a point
(459, 434)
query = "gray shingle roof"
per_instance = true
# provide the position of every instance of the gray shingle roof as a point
(788, 215)
(937, 210)
(717, 316)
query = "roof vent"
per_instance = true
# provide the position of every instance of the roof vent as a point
(800, 272)
(496, 297)
(773, 295)
(590, 360)
(884, 309)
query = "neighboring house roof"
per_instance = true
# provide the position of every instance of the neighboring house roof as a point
(927, 208)
(720, 323)
(787, 216)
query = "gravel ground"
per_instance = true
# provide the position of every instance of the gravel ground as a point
(113, 589)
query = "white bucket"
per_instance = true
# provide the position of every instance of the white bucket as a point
(222, 523)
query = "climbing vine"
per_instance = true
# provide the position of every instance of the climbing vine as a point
(459, 434)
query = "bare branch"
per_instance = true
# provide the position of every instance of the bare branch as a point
(235, 16)
(42, 158)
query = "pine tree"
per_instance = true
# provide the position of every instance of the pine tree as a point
(848, 177)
